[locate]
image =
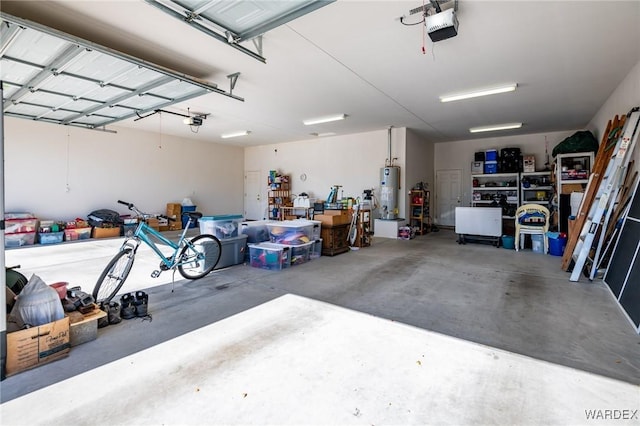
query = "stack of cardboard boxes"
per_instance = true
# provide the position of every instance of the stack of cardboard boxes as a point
(28, 348)
(174, 211)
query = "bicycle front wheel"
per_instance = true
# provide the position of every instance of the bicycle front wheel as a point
(199, 256)
(113, 276)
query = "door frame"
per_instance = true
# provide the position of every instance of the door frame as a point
(437, 195)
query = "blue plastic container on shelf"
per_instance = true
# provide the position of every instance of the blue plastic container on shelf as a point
(50, 237)
(491, 155)
(490, 167)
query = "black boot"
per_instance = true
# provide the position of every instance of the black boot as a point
(141, 303)
(114, 313)
(127, 307)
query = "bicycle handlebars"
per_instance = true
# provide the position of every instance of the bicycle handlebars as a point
(130, 206)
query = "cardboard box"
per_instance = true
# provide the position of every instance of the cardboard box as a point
(571, 187)
(174, 210)
(341, 212)
(84, 327)
(332, 220)
(35, 346)
(154, 223)
(105, 232)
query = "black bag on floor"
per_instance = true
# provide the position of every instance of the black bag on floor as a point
(105, 218)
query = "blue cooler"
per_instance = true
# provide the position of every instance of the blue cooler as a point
(490, 167)
(185, 219)
(491, 155)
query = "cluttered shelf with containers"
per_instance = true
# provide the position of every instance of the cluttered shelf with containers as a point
(25, 229)
(507, 179)
(334, 226)
(298, 228)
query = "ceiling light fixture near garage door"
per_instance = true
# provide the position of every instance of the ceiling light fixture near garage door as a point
(327, 119)
(478, 93)
(235, 134)
(507, 126)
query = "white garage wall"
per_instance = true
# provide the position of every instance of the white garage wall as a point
(353, 161)
(460, 154)
(419, 166)
(99, 168)
(145, 168)
(625, 97)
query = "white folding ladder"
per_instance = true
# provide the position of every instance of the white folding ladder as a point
(607, 193)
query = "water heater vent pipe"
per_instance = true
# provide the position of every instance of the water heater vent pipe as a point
(389, 161)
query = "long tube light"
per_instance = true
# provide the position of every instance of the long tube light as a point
(235, 134)
(326, 119)
(494, 127)
(478, 93)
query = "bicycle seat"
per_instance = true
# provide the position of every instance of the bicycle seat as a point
(192, 215)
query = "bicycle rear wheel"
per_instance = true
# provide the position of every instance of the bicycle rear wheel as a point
(113, 276)
(199, 256)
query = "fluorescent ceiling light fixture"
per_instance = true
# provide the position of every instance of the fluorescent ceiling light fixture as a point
(321, 135)
(326, 119)
(494, 127)
(478, 93)
(235, 134)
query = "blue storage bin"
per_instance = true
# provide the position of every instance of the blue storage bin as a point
(185, 219)
(50, 237)
(557, 246)
(491, 155)
(490, 167)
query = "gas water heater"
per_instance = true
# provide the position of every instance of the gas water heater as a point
(389, 183)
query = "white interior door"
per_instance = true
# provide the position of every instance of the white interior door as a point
(448, 196)
(253, 209)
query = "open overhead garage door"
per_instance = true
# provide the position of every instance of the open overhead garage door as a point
(53, 77)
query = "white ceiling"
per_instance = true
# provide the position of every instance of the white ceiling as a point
(355, 57)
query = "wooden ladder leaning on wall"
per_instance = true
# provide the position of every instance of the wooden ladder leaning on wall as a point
(605, 150)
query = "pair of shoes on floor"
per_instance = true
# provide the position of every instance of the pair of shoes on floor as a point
(113, 314)
(134, 305)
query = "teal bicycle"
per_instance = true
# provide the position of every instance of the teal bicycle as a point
(194, 258)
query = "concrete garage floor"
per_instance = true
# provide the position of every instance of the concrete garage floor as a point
(403, 332)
